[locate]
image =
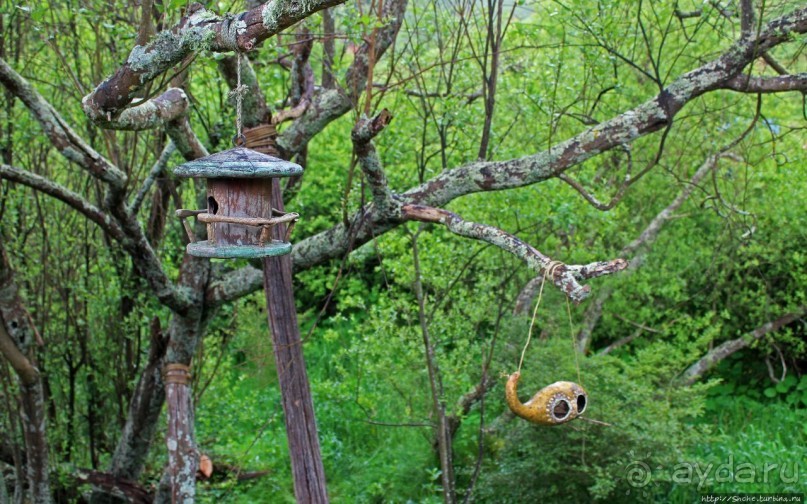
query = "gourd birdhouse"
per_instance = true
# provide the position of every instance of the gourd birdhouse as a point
(239, 213)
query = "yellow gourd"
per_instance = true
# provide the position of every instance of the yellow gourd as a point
(554, 404)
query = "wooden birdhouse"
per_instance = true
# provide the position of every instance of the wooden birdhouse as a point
(239, 213)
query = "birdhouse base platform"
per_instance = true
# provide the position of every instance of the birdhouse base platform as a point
(206, 249)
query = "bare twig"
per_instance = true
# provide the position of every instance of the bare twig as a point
(156, 170)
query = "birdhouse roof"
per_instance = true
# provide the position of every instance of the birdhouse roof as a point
(238, 162)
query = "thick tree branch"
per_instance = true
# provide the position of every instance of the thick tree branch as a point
(198, 30)
(26, 371)
(484, 176)
(563, 276)
(621, 130)
(187, 143)
(233, 285)
(330, 104)
(717, 354)
(770, 60)
(153, 113)
(746, 17)
(328, 49)
(75, 149)
(327, 106)
(302, 76)
(75, 201)
(123, 489)
(60, 134)
(749, 84)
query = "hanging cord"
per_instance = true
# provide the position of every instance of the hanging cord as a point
(574, 347)
(240, 90)
(549, 271)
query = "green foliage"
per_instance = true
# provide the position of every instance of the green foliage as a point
(730, 259)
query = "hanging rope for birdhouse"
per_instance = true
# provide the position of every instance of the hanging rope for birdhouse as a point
(554, 404)
(238, 92)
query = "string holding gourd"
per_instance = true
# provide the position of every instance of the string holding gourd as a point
(554, 404)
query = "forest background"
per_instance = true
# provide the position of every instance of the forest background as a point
(686, 158)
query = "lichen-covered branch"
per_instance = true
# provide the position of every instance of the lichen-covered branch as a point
(326, 106)
(475, 177)
(647, 118)
(779, 84)
(76, 150)
(59, 133)
(362, 135)
(563, 276)
(198, 30)
(330, 104)
(746, 17)
(717, 354)
(187, 143)
(150, 114)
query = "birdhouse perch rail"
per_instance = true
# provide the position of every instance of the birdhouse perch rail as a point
(289, 218)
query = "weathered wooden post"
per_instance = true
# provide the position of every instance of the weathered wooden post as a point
(246, 218)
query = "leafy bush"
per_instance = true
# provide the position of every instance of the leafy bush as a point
(649, 426)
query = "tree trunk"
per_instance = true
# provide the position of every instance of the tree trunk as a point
(182, 455)
(17, 336)
(146, 406)
(298, 407)
(186, 331)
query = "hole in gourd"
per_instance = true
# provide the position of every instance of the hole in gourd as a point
(212, 205)
(581, 404)
(561, 409)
